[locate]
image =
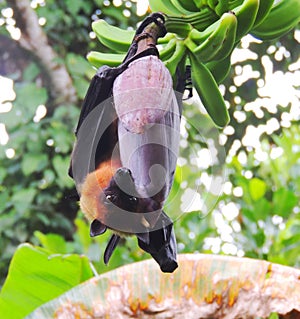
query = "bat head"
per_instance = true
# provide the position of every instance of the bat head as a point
(121, 209)
(119, 199)
(121, 191)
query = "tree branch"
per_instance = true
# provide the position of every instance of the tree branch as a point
(35, 40)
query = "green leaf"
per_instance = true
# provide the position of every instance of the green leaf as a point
(261, 209)
(259, 238)
(23, 198)
(284, 201)
(62, 138)
(274, 316)
(78, 65)
(250, 214)
(31, 72)
(113, 12)
(257, 188)
(61, 166)
(49, 176)
(73, 6)
(4, 199)
(13, 118)
(37, 276)
(52, 242)
(81, 86)
(82, 233)
(29, 96)
(33, 163)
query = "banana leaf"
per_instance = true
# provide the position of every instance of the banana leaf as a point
(37, 275)
(203, 286)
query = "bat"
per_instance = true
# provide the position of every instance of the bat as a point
(123, 178)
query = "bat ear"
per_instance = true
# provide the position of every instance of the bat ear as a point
(97, 228)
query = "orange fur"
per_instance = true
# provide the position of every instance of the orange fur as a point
(92, 188)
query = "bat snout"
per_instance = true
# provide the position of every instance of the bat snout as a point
(123, 176)
(123, 179)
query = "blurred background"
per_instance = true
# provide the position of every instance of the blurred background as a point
(257, 214)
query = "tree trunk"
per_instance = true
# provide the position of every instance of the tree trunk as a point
(35, 41)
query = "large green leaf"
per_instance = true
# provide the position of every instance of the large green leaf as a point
(52, 242)
(37, 276)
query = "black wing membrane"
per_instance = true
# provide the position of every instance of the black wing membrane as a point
(96, 132)
(100, 127)
(99, 91)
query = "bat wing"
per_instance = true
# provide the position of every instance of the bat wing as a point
(151, 157)
(95, 133)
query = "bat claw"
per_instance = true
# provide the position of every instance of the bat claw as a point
(112, 244)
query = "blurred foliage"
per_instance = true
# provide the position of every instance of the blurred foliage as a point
(256, 216)
(35, 190)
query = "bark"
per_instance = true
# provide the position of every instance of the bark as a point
(11, 63)
(35, 41)
(203, 286)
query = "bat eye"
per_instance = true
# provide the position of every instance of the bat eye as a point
(109, 199)
(133, 199)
